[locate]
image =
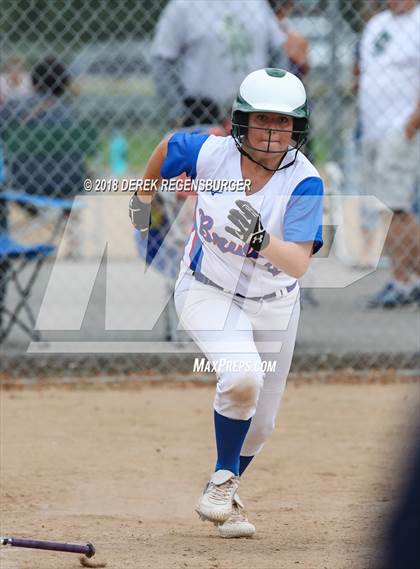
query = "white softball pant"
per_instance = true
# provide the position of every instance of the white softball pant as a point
(237, 336)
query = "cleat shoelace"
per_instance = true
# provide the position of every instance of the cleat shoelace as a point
(237, 515)
(220, 494)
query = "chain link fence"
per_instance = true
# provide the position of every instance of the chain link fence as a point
(88, 89)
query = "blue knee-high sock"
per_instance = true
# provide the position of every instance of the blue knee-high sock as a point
(243, 463)
(230, 436)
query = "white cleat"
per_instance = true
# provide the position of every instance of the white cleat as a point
(237, 525)
(216, 502)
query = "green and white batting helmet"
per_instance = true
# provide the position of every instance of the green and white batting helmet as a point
(270, 90)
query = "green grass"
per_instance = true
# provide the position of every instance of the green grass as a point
(141, 144)
(320, 147)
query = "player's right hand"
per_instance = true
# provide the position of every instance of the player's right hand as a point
(248, 226)
(139, 214)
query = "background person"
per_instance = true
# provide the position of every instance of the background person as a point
(389, 105)
(45, 145)
(202, 51)
(296, 46)
(45, 162)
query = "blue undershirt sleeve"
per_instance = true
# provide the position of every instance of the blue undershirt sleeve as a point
(303, 217)
(182, 154)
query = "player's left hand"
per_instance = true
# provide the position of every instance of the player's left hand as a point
(139, 214)
(248, 226)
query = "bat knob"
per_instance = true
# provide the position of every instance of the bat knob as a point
(91, 550)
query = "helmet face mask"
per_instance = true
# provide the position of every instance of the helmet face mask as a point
(241, 129)
(270, 91)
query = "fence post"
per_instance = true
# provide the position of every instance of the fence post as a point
(334, 97)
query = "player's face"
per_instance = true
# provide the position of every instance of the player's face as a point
(269, 132)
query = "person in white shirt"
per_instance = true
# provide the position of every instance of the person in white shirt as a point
(237, 293)
(389, 105)
(202, 50)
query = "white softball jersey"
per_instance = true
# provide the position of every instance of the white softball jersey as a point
(290, 205)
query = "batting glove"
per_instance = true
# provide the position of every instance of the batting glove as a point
(248, 226)
(139, 214)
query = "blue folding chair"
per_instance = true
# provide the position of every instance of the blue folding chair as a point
(41, 203)
(14, 257)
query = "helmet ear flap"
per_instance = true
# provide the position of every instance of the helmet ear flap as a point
(240, 121)
(300, 130)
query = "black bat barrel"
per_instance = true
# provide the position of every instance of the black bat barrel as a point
(88, 549)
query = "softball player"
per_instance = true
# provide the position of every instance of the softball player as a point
(237, 293)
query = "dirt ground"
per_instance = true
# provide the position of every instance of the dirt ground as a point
(123, 468)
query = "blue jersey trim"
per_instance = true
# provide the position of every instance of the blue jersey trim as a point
(182, 154)
(196, 256)
(303, 217)
(196, 252)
